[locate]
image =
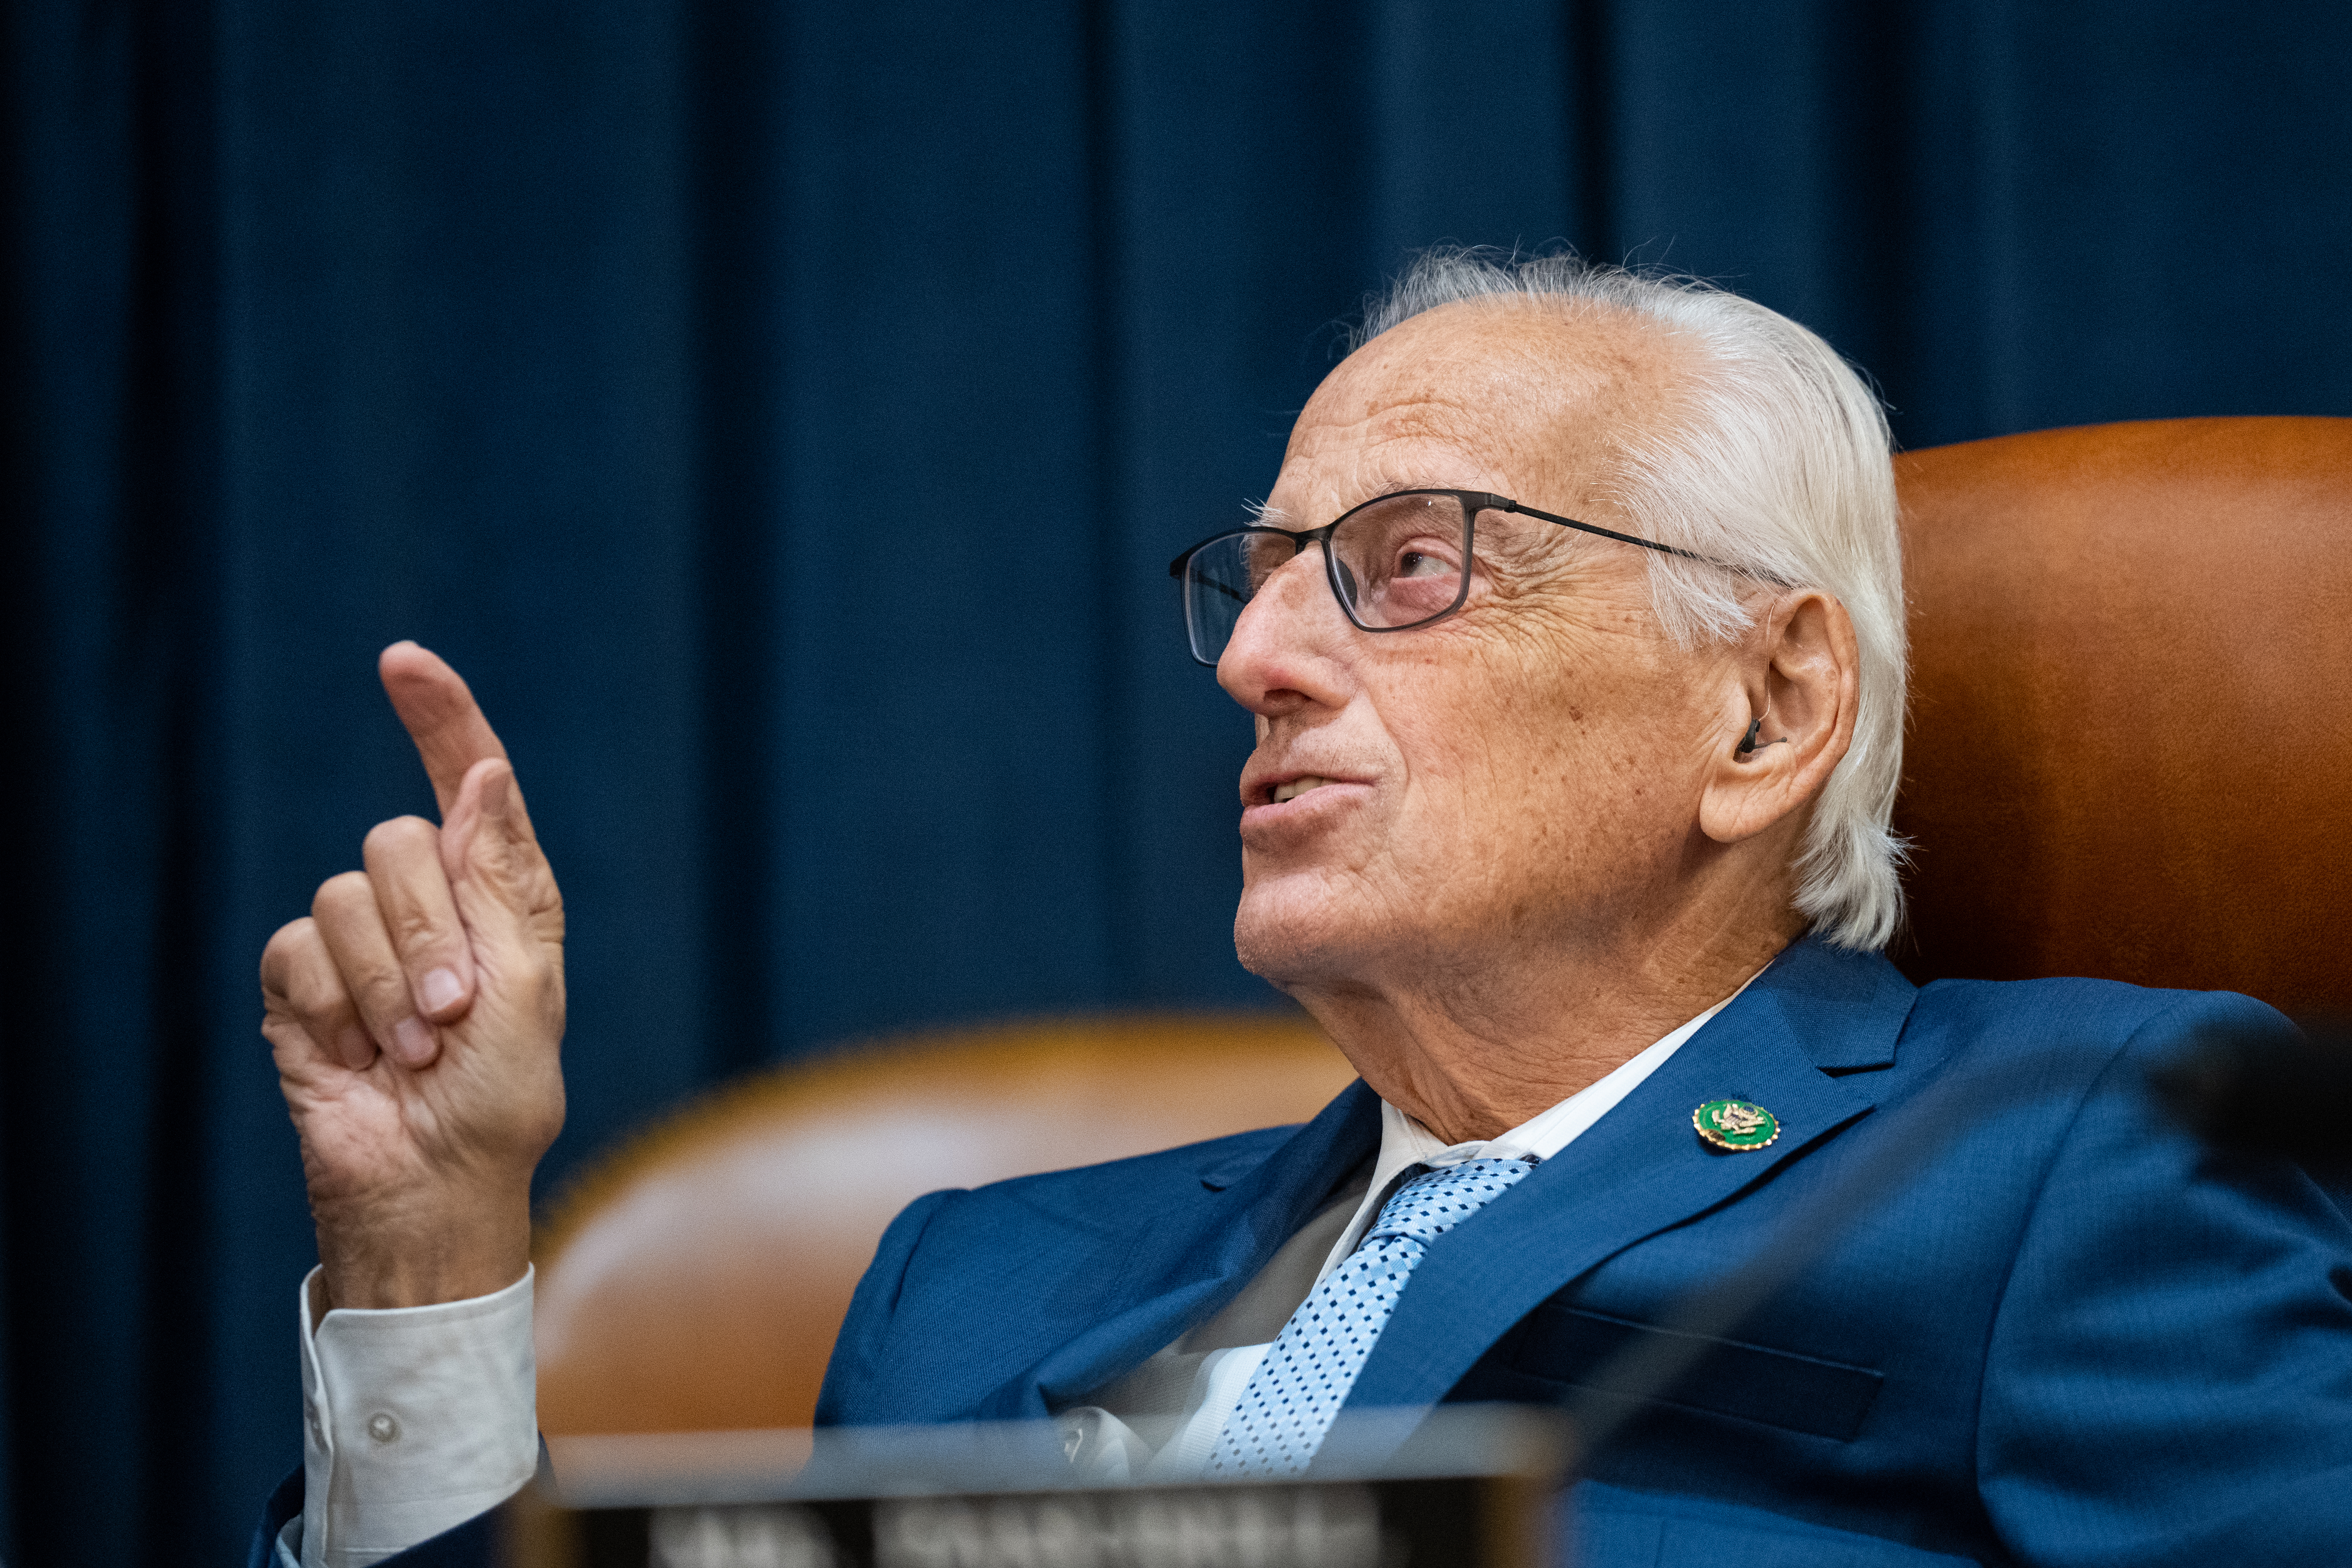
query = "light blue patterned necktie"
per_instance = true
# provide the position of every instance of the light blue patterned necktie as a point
(1289, 1404)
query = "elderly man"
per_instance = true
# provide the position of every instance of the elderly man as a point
(1573, 633)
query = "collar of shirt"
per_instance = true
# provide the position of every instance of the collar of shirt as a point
(1405, 1143)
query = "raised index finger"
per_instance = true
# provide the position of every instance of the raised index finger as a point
(441, 714)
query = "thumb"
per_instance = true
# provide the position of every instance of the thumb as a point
(502, 880)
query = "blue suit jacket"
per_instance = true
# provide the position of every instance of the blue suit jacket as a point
(2076, 1338)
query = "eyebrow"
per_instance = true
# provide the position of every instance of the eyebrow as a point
(1392, 482)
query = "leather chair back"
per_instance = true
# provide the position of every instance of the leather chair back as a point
(694, 1279)
(2130, 748)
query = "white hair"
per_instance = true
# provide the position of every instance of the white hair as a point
(1779, 467)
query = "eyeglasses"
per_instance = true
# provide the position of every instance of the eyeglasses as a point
(1398, 562)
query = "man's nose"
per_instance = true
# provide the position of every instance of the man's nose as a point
(1286, 645)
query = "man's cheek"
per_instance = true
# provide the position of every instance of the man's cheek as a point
(1473, 780)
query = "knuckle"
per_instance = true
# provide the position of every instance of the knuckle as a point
(298, 978)
(284, 950)
(539, 979)
(380, 991)
(308, 986)
(397, 835)
(415, 930)
(346, 891)
(314, 992)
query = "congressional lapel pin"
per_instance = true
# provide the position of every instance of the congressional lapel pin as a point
(1734, 1125)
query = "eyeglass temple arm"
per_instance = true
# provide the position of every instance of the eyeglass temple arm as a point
(1505, 504)
(1219, 587)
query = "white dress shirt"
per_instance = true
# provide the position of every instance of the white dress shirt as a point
(418, 1418)
(415, 1420)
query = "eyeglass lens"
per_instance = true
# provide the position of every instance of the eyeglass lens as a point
(1397, 561)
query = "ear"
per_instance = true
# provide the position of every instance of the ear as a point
(1801, 672)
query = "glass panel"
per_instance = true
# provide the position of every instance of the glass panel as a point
(1401, 560)
(1222, 577)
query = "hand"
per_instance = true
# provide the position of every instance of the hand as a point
(415, 1016)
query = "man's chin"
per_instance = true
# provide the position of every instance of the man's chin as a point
(1289, 935)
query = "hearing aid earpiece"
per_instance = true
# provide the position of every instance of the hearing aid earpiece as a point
(1747, 746)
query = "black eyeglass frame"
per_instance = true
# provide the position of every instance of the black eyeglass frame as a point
(1472, 502)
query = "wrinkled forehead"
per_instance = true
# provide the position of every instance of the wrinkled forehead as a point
(1525, 398)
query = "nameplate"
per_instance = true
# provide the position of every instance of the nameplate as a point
(1456, 1488)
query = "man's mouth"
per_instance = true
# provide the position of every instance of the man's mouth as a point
(1295, 788)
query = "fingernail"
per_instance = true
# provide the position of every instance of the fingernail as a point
(411, 1041)
(440, 989)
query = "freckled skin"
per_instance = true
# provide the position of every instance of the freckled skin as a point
(1542, 854)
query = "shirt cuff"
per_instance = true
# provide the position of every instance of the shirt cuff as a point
(414, 1419)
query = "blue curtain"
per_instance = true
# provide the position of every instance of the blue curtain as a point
(783, 413)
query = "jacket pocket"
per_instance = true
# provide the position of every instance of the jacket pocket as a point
(1572, 1348)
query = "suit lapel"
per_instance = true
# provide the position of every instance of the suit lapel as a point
(1181, 1279)
(1642, 1168)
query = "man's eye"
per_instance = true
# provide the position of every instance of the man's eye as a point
(1413, 564)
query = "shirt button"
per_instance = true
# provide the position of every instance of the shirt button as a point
(383, 1428)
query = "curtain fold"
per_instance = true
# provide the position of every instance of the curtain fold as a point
(783, 413)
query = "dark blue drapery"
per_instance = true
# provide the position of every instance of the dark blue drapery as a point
(782, 414)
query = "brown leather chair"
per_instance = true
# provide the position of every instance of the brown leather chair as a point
(2130, 750)
(695, 1280)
